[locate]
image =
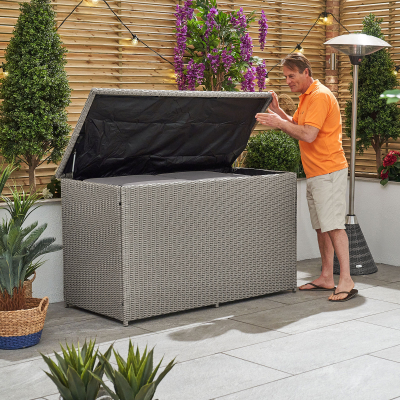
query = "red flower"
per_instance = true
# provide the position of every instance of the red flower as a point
(384, 175)
(389, 160)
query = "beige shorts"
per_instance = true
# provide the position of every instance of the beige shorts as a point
(326, 197)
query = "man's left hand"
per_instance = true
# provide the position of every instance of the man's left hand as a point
(270, 119)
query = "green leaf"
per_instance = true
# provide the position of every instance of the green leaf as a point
(56, 371)
(165, 372)
(105, 387)
(384, 182)
(122, 388)
(146, 392)
(76, 385)
(64, 391)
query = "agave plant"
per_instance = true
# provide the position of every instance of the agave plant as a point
(21, 205)
(135, 377)
(19, 248)
(74, 374)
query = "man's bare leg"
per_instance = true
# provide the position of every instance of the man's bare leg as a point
(326, 249)
(341, 244)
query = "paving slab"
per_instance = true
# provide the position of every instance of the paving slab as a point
(209, 377)
(362, 378)
(315, 314)
(25, 381)
(392, 354)
(387, 273)
(389, 319)
(197, 341)
(100, 328)
(318, 348)
(389, 292)
(206, 314)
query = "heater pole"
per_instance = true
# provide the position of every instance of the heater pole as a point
(353, 143)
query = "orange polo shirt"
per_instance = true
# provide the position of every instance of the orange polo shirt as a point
(318, 107)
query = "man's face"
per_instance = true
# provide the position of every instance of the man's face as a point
(295, 80)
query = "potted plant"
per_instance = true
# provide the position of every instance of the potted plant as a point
(135, 378)
(75, 370)
(21, 319)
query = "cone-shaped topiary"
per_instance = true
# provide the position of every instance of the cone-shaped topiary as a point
(376, 120)
(35, 93)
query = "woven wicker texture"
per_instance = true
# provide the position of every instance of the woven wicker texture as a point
(207, 242)
(24, 322)
(28, 285)
(184, 244)
(91, 217)
(361, 261)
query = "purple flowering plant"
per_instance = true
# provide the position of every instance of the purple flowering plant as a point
(214, 48)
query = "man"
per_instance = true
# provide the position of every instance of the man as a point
(318, 127)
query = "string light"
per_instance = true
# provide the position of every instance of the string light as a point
(396, 69)
(3, 71)
(299, 49)
(134, 41)
(92, 3)
(325, 18)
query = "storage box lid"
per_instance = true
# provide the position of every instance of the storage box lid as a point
(134, 132)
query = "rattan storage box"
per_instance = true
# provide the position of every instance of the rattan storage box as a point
(156, 220)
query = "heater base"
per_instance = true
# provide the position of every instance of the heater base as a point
(361, 261)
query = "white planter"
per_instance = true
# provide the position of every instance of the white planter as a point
(378, 212)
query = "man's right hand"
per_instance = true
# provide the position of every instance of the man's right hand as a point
(274, 106)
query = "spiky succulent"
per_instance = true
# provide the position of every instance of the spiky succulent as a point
(74, 374)
(135, 378)
(19, 247)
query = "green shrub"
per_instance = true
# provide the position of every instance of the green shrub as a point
(273, 150)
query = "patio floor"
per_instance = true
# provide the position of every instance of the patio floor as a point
(282, 346)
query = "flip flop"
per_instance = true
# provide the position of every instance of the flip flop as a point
(317, 288)
(349, 296)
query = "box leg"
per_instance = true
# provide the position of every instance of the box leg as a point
(125, 323)
(66, 305)
(294, 290)
(216, 305)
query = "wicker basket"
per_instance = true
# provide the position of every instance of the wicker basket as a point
(23, 328)
(28, 286)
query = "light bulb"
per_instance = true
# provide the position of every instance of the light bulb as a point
(135, 40)
(395, 72)
(267, 80)
(325, 19)
(299, 49)
(5, 74)
(92, 3)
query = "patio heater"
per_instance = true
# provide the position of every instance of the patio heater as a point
(356, 46)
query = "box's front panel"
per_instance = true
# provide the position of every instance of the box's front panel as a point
(188, 245)
(92, 247)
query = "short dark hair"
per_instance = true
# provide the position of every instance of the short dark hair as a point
(298, 61)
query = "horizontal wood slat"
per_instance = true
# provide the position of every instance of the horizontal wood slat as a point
(99, 53)
(352, 13)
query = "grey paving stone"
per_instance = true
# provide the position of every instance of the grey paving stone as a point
(387, 273)
(305, 351)
(100, 328)
(315, 314)
(25, 381)
(388, 292)
(362, 378)
(213, 376)
(392, 354)
(390, 319)
(241, 307)
(198, 341)
(57, 314)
